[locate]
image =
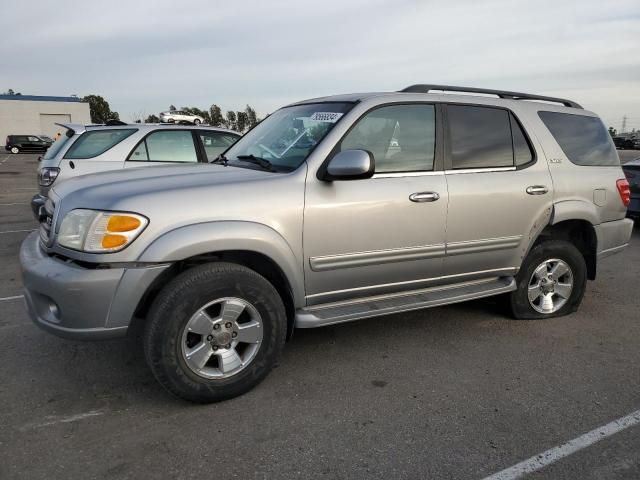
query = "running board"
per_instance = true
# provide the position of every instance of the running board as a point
(328, 314)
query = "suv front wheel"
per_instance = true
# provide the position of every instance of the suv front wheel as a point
(551, 281)
(214, 332)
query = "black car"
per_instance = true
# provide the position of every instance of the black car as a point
(26, 143)
(632, 172)
(623, 143)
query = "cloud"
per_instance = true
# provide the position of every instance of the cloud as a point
(147, 55)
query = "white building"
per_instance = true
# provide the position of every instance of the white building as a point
(36, 115)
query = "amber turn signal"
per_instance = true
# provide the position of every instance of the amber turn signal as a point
(113, 241)
(122, 223)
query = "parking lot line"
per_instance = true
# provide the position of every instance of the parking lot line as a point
(9, 204)
(552, 455)
(15, 297)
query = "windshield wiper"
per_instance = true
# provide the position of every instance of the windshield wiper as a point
(262, 162)
(221, 160)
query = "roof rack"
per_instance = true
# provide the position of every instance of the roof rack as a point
(421, 88)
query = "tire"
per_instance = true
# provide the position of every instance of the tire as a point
(168, 332)
(15, 150)
(553, 297)
(197, 121)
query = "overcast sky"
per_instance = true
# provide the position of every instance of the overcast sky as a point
(146, 55)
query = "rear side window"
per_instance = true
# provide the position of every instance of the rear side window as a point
(166, 146)
(57, 147)
(485, 137)
(584, 140)
(96, 142)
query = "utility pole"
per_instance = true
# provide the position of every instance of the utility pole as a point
(624, 124)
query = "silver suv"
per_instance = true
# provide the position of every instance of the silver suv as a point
(331, 210)
(96, 148)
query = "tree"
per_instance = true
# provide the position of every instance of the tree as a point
(252, 118)
(99, 109)
(11, 92)
(231, 120)
(172, 108)
(612, 131)
(241, 121)
(152, 119)
(216, 119)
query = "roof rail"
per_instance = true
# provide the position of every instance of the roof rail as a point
(421, 88)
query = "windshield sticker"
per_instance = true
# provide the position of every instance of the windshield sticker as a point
(330, 117)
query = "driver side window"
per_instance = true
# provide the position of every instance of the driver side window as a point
(400, 137)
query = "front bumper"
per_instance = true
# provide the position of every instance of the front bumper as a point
(76, 302)
(37, 201)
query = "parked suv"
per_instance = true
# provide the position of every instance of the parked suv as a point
(26, 143)
(178, 116)
(331, 210)
(90, 149)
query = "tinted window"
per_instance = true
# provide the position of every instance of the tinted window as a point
(400, 137)
(521, 150)
(215, 143)
(166, 146)
(480, 137)
(96, 142)
(584, 140)
(56, 147)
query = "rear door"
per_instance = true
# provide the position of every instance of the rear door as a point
(500, 191)
(164, 146)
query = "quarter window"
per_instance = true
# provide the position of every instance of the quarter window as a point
(400, 137)
(215, 143)
(584, 140)
(166, 146)
(96, 142)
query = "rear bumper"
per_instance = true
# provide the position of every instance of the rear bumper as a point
(80, 303)
(613, 237)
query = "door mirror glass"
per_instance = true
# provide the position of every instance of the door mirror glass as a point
(350, 165)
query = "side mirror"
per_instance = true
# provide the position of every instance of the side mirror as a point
(350, 165)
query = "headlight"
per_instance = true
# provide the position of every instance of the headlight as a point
(94, 231)
(47, 175)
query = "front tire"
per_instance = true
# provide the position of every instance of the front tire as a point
(15, 150)
(214, 332)
(551, 282)
(197, 121)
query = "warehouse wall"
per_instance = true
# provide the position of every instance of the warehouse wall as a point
(27, 117)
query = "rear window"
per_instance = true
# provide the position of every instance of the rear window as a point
(55, 148)
(96, 142)
(584, 140)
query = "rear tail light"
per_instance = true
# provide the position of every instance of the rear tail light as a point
(624, 191)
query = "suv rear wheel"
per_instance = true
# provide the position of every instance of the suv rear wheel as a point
(551, 281)
(214, 332)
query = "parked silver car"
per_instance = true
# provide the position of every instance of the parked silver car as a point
(96, 148)
(331, 210)
(179, 116)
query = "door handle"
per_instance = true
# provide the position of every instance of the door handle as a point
(537, 190)
(424, 197)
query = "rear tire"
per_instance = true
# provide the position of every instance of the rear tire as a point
(197, 122)
(551, 282)
(187, 305)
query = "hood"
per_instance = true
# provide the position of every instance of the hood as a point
(156, 179)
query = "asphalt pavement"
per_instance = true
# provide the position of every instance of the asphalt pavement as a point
(456, 392)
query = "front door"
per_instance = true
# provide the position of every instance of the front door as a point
(500, 194)
(386, 233)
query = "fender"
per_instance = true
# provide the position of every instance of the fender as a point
(202, 238)
(574, 210)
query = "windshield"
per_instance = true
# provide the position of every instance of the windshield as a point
(286, 138)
